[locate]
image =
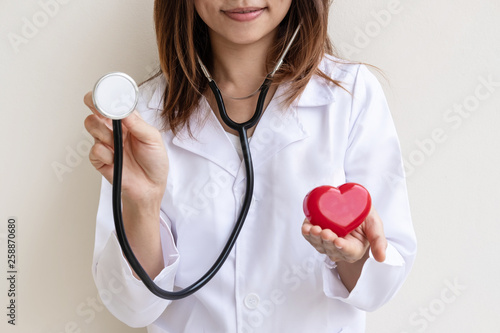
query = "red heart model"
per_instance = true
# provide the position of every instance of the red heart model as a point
(340, 209)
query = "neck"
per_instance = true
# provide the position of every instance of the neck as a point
(238, 69)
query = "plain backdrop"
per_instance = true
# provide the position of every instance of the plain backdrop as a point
(442, 63)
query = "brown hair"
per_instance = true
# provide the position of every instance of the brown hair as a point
(182, 35)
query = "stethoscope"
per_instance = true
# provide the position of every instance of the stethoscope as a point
(115, 96)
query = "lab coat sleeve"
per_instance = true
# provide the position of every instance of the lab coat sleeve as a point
(125, 296)
(373, 159)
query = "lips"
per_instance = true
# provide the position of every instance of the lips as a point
(244, 14)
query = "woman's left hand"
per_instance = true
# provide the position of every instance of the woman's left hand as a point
(352, 247)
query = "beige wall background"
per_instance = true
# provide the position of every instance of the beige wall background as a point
(442, 61)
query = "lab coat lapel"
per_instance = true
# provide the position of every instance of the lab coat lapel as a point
(276, 129)
(209, 139)
(280, 127)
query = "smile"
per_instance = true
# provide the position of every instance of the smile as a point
(244, 14)
(245, 11)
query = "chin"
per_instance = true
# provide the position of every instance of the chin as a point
(246, 36)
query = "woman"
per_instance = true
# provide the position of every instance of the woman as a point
(326, 121)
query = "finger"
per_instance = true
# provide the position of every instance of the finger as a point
(314, 240)
(350, 251)
(101, 157)
(102, 154)
(89, 102)
(315, 234)
(98, 128)
(328, 238)
(306, 227)
(87, 99)
(316, 231)
(374, 230)
(140, 129)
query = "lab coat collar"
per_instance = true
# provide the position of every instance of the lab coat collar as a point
(156, 101)
(277, 128)
(316, 93)
(208, 139)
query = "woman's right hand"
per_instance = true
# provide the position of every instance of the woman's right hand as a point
(145, 160)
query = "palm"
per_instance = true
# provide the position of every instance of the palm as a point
(358, 241)
(353, 246)
(145, 167)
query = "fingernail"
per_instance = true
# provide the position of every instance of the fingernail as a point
(338, 247)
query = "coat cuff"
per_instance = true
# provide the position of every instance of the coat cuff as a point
(125, 296)
(377, 284)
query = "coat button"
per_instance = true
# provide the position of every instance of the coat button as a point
(252, 301)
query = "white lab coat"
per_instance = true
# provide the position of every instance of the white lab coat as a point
(274, 280)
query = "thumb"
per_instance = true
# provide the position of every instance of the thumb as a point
(140, 129)
(374, 231)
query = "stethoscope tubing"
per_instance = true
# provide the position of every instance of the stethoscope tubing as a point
(242, 129)
(117, 210)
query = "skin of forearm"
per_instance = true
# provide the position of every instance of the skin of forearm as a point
(350, 272)
(142, 226)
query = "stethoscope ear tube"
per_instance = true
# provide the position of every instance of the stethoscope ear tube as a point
(122, 237)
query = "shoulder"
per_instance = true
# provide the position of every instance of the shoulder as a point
(339, 69)
(354, 77)
(349, 74)
(320, 91)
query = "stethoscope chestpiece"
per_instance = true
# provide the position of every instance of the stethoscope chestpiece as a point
(115, 95)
